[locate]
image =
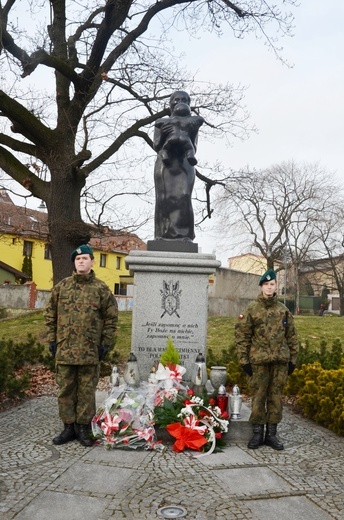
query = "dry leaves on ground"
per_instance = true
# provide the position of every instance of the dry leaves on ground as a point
(42, 383)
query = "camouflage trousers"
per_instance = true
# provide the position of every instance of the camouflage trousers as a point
(77, 388)
(266, 386)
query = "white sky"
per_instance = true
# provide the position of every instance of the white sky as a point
(298, 111)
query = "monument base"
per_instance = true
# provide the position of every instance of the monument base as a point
(170, 301)
(174, 246)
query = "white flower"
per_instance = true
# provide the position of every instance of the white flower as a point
(197, 400)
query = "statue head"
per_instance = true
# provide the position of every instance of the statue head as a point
(179, 97)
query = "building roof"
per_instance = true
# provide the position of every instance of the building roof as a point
(112, 241)
(21, 221)
(321, 264)
(29, 223)
(12, 270)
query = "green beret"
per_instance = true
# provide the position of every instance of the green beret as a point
(267, 277)
(84, 249)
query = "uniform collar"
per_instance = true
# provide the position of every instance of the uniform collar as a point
(268, 302)
(84, 278)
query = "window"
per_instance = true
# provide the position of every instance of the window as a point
(120, 289)
(47, 252)
(118, 262)
(102, 262)
(27, 249)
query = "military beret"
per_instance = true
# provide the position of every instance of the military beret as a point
(84, 249)
(267, 277)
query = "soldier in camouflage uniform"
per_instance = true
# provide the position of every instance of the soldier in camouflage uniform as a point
(267, 348)
(81, 317)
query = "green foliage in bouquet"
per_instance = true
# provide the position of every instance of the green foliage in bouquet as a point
(167, 413)
(170, 354)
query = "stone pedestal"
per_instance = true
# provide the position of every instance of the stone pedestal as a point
(170, 300)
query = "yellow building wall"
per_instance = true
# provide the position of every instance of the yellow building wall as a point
(11, 252)
(111, 273)
(248, 264)
(255, 264)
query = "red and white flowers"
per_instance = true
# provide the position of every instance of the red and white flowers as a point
(200, 427)
(122, 421)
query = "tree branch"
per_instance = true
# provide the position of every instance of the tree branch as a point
(24, 121)
(20, 173)
(209, 183)
(131, 131)
(19, 146)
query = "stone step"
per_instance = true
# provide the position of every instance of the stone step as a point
(240, 430)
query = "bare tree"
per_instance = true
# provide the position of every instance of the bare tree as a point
(275, 211)
(107, 80)
(328, 262)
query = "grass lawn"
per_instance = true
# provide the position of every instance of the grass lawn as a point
(220, 330)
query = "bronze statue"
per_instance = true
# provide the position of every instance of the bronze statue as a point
(175, 140)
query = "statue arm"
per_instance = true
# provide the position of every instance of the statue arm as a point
(197, 122)
(158, 139)
(163, 127)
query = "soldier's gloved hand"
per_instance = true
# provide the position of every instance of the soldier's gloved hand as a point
(102, 351)
(291, 368)
(248, 369)
(52, 348)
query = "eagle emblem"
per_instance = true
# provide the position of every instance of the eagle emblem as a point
(170, 298)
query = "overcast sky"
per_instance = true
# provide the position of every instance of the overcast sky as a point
(298, 110)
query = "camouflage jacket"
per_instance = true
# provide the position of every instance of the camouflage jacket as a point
(81, 315)
(266, 333)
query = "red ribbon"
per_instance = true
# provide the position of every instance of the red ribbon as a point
(186, 437)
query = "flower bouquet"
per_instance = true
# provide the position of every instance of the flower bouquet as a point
(196, 423)
(123, 420)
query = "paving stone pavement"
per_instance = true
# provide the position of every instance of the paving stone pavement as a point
(40, 481)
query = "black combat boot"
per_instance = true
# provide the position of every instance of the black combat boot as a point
(84, 434)
(271, 438)
(67, 435)
(257, 438)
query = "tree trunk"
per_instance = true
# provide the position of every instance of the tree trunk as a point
(66, 228)
(269, 262)
(341, 301)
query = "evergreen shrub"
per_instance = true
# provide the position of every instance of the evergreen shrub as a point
(328, 357)
(321, 394)
(15, 356)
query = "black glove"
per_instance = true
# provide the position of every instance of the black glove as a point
(102, 351)
(52, 348)
(291, 368)
(248, 369)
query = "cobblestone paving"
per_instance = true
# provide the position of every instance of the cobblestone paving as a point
(136, 485)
